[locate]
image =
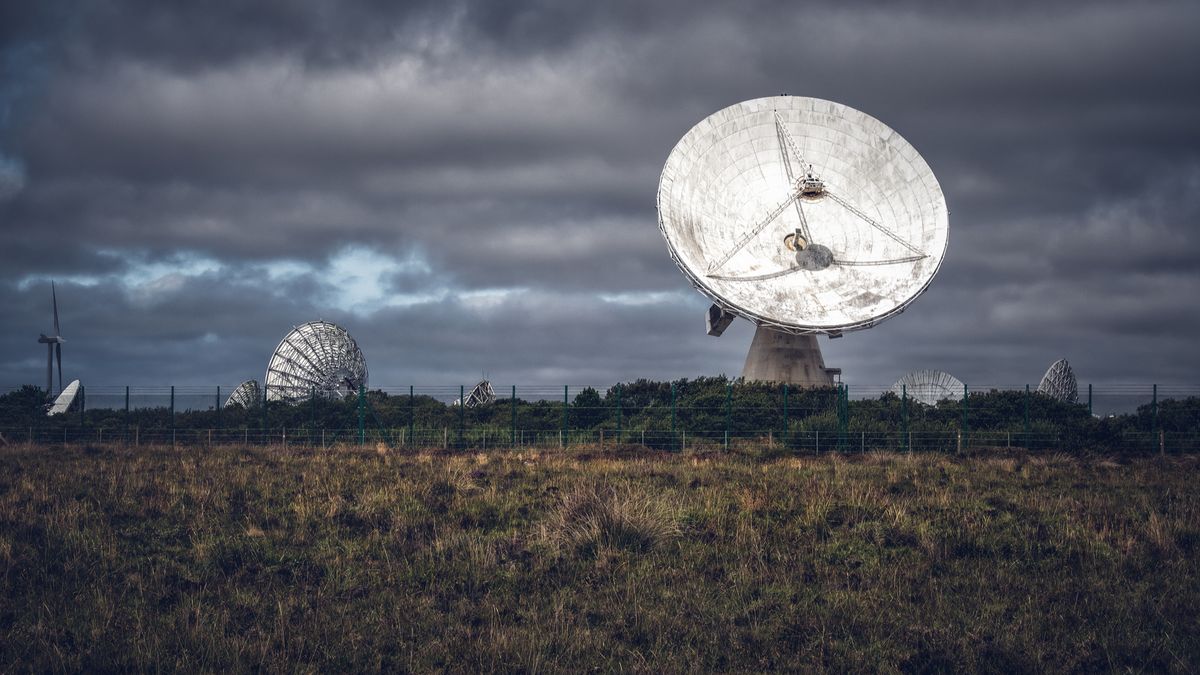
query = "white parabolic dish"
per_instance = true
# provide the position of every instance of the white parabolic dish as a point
(317, 357)
(850, 246)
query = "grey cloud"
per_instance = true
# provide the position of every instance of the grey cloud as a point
(516, 146)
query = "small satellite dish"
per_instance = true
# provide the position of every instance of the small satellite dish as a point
(480, 394)
(63, 403)
(806, 217)
(317, 357)
(929, 386)
(246, 395)
(1059, 382)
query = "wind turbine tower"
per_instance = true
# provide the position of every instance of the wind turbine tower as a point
(53, 348)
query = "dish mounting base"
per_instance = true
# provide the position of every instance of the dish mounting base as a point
(785, 358)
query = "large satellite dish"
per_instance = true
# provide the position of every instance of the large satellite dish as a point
(806, 217)
(1059, 382)
(929, 386)
(315, 358)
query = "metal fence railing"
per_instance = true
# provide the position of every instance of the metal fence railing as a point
(707, 413)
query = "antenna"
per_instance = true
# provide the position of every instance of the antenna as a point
(480, 394)
(805, 217)
(1059, 382)
(64, 401)
(315, 357)
(928, 386)
(246, 395)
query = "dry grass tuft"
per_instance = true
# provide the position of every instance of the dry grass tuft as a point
(601, 516)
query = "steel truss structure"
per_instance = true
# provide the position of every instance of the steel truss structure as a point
(1059, 382)
(480, 394)
(929, 386)
(247, 395)
(315, 358)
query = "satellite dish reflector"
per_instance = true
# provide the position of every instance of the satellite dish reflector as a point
(317, 357)
(1059, 382)
(802, 214)
(929, 386)
(480, 394)
(806, 217)
(247, 395)
(63, 403)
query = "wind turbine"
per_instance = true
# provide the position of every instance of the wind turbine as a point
(53, 348)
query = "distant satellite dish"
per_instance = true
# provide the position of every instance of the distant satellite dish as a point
(1059, 382)
(315, 358)
(929, 386)
(247, 395)
(480, 394)
(804, 216)
(63, 403)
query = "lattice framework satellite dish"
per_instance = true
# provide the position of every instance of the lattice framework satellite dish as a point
(319, 358)
(247, 395)
(806, 217)
(1059, 382)
(929, 386)
(480, 394)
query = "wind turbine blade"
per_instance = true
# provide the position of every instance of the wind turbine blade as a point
(54, 296)
(58, 351)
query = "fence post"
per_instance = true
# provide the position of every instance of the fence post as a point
(728, 411)
(1028, 440)
(513, 413)
(217, 403)
(904, 418)
(843, 410)
(563, 436)
(265, 420)
(618, 414)
(1090, 400)
(362, 400)
(462, 415)
(785, 415)
(172, 415)
(82, 404)
(674, 435)
(126, 414)
(1154, 411)
(965, 429)
(412, 416)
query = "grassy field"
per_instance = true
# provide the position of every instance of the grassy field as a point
(368, 559)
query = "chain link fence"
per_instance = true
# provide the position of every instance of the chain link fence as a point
(706, 414)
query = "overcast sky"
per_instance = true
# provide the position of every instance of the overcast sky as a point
(469, 187)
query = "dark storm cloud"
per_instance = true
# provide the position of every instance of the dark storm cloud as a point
(508, 153)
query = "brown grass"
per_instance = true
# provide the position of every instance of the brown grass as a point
(594, 559)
